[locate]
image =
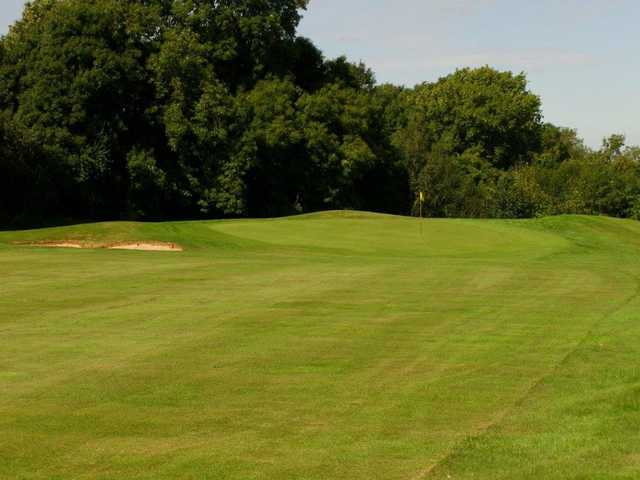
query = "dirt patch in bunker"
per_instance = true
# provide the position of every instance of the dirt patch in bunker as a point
(147, 247)
(140, 246)
(58, 245)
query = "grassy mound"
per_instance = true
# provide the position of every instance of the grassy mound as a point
(334, 345)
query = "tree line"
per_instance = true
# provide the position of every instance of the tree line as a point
(165, 109)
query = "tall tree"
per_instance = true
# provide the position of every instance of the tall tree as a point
(490, 112)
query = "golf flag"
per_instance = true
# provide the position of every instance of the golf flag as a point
(422, 196)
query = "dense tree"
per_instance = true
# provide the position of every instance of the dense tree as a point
(278, 173)
(213, 108)
(74, 76)
(29, 184)
(135, 100)
(558, 145)
(489, 112)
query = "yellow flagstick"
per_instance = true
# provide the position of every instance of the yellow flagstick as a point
(421, 202)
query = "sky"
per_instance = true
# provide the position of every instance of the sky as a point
(580, 56)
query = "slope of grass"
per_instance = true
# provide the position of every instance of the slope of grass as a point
(336, 345)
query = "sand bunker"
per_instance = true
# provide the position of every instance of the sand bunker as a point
(59, 245)
(147, 247)
(141, 246)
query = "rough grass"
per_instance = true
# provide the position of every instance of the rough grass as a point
(342, 345)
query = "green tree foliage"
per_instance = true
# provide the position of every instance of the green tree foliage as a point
(483, 110)
(29, 185)
(558, 145)
(73, 75)
(211, 108)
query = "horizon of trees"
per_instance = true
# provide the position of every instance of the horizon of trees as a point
(169, 109)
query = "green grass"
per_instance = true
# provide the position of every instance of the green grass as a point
(330, 346)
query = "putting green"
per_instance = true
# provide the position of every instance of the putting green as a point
(341, 345)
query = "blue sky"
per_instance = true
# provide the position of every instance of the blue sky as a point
(580, 55)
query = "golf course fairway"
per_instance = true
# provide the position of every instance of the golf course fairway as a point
(339, 345)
